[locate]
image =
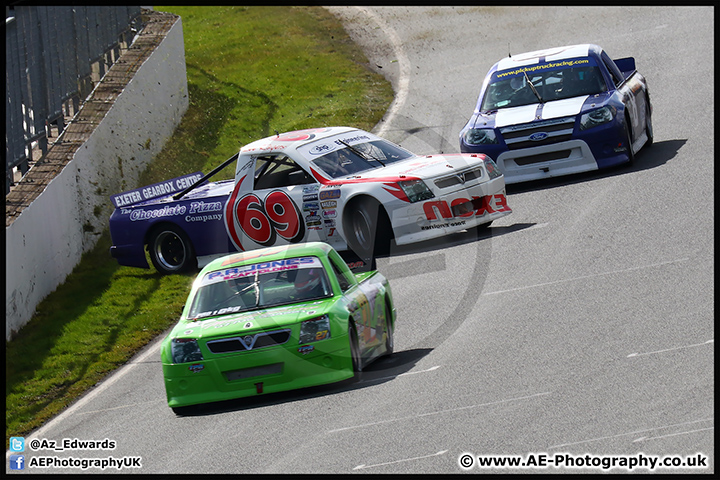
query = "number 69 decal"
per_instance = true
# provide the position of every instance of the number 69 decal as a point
(262, 222)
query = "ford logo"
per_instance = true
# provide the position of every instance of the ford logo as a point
(536, 137)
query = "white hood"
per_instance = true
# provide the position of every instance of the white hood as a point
(539, 111)
(429, 166)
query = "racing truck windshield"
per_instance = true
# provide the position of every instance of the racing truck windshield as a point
(359, 157)
(260, 285)
(528, 85)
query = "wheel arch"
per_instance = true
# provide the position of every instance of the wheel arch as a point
(648, 120)
(630, 135)
(380, 229)
(354, 340)
(391, 308)
(153, 228)
(359, 198)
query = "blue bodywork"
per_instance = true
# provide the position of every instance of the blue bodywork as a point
(199, 214)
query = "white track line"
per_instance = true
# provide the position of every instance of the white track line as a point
(630, 433)
(153, 349)
(584, 277)
(361, 467)
(438, 412)
(403, 64)
(643, 439)
(671, 349)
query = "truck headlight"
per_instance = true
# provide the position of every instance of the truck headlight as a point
(185, 350)
(492, 168)
(597, 117)
(315, 329)
(416, 190)
(480, 136)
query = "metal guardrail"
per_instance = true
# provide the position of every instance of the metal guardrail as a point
(54, 58)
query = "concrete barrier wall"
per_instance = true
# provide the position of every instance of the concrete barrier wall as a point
(46, 241)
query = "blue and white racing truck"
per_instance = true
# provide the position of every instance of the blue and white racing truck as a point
(560, 111)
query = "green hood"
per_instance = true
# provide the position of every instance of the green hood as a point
(264, 319)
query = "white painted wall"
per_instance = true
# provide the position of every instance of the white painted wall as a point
(47, 240)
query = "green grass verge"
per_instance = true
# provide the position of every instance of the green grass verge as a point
(251, 71)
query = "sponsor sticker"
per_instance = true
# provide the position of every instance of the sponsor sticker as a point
(322, 149)
(260, 268)
(329, 194)
(305, 349)
(155, 190)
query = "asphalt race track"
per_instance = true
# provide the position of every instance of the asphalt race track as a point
(578, 328)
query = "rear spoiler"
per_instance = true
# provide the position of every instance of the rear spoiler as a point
(183, 185)
(212, 172)
(626, 66)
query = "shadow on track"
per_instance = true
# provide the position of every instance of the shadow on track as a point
(380, 371)
(648, 158)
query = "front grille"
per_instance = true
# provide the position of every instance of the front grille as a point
(557, 130)
(459, 178)
(543, 157)
(246, 373)
(249, 342)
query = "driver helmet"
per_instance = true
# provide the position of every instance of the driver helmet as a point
(570, 81)
(517, 82)
(307, 279)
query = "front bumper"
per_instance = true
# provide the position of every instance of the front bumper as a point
(600, 147)
(565, 158)
(267, 370)
(450, 213)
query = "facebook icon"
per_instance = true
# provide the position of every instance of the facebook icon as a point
(17, 462)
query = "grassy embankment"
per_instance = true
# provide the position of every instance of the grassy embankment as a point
(251, 71)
